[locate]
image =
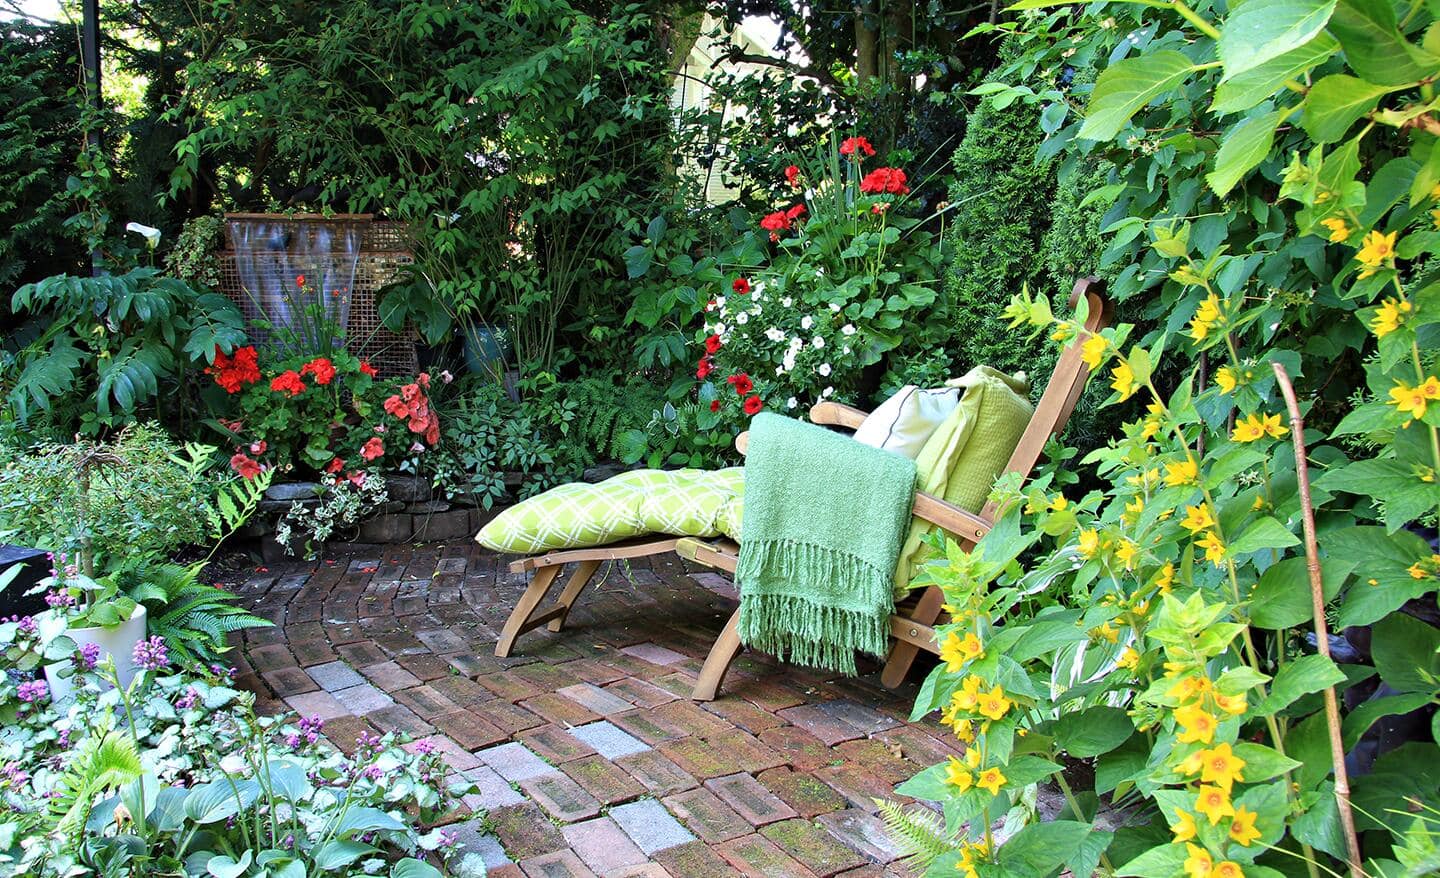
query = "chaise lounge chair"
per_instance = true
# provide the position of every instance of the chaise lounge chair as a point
(912, 625)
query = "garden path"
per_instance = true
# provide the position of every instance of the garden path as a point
(591, 758)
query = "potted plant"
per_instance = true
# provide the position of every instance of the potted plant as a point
(100, 620)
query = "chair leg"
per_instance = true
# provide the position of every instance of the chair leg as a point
(525, 609)
(727, 647)
(902, 654)
(578, 580)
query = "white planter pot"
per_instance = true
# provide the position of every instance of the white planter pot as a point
(114, 640)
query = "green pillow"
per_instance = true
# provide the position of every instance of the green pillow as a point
(964, 456)
(679, 502)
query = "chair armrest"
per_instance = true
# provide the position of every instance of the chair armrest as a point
(951, 518)
(836, 414)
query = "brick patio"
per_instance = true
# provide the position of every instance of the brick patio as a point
(590, 755)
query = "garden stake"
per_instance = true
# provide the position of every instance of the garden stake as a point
(1322, 635)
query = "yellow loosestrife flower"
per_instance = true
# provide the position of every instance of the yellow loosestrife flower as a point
(1376, 251)
(1124, 380)
(1226, 379)
(1338, 230)
(1129, 659)
(1242, 828)
(1390, 316)
(1415, 400)
(991, 779)
(1253, 427)
(1165, 578)
(1089, 543)
(1197, 518)
(1199, 864)
(1126, 552)
(1221, 767)
(958, 776)
(1207, 316)
(1093, 351)
(1181, 472)
(1214, 803)
(1227, 869)
(1213, 546)
(994, 704)
(1197, 725)
(1184, 827)
(957, 650)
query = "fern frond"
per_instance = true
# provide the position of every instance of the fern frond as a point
(99, 763)
(918, 833)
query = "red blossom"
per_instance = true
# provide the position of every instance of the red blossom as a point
(714, 405)
(335, 465)
(357, 479)
(741, 382)
(795, 212)
(288, 382)
(299, 280)
(857, 147)
(741, 286)
(321, 368)
(236, 371)
(884, 181)
(753, 405)
(704, 368)
(242, 464)
(713, 344)
(792, 176)
(373, 449)
(258, 447)
(775, 222)
(367, 369)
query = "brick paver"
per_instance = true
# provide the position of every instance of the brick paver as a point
(589, 757)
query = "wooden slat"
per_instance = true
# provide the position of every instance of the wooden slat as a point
(613, 552)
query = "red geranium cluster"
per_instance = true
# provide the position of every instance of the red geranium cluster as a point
(412, 406)
(236, 371)
(781, 220)
(856, 147)
(247, 467)
(289, 382)
(792, 176)
(321, 368)
(743, 385)
(884, 181)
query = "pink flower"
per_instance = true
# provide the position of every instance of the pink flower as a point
(245, 466)
(258, 448)
(373, 449)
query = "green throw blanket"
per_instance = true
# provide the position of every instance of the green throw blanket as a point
(824, 517)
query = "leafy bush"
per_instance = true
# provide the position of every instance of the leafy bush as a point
(1170, 625)
(176, 774)
(114, 344)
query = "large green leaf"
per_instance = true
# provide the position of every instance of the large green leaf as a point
(1281, 598)
(1405, 495)
(1040, 847)
(1247, 89)
(1128, 85)
(1093, 731)
(1245, 146)
(1335, 102)
(1374, 46)
(1306, 674)
(1265, 532)
(1404, 650)
(1260, 30)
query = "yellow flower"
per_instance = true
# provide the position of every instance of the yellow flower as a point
(1226, 379)
(1108, 631)
(1221, 767)
(1089, 543)
(968, 695)
(1273, 428)
(958, 776)
(1390, 316)
(1208, 314)
(1129, 659)
(1189, 688)
(1242, 828)
(1184, 827)
(1411, 400)
(1259, 503)
(1227, 869)
(1214, 803)
(1124, 380)
(1197, 725)
(1232, 704)
(1181, 472)
(1254, 427)
(1166, 578)
(1199, 863)
(1192, 764)
(1126, 552)
(1093, 351)
(956, 651)
(1338, 230)
(991, 779)
(1133, 508)
(1197, 518)
(994, 704)
(1213, 546)
(1376, 251)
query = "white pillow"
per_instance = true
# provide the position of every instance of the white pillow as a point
(905, 421)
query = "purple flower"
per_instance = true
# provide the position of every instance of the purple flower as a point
(151, 654)
(89, 656)
(27, 624)
(448, 838)
(425, 747)
(374, 772)
(64, 739)
(59, 599)
(14, 774)
(293, 741)
(187, 701)
(367, 741)
(32, 691)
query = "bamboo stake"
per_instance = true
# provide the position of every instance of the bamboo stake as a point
(1322, 635)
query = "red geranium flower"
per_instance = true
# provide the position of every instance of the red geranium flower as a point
(321, 368)
(356, 478)
(367, 369)
(234, 372)
(753, 405)
(795, 212)
(373, 449)
(714, 405)
(775, 222)
(288, 382)
(242, 464)
(299, 280)
(741, 286)
(856, 146)
(884, 181)
(741, 383)
(335, 465)
(713, 344)
(704, 368)
(792, 176)
(258, 447)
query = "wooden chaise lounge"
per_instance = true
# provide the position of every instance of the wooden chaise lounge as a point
(912, 625)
